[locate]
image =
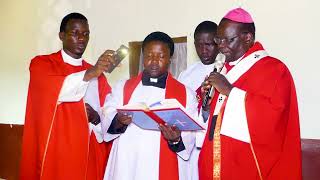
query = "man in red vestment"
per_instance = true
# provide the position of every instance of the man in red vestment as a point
(64, 94)
(253, 128)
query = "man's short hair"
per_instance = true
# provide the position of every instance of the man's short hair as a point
(159, 36)
(68, 17)
(206, 27)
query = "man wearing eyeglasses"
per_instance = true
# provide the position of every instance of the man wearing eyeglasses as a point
(256, 134)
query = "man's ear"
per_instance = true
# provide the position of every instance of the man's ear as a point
(249, 39)
(61, 36)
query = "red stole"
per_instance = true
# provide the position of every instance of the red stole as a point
(56, 137)
(168, 167)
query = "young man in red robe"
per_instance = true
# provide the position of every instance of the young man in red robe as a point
(64, 94)
(253, 128)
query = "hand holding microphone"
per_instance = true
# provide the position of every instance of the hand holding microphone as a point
(212, 80)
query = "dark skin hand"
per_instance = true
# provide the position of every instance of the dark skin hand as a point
(170, 133)
(123, 120)
(93, 116)
(218, 81)
(104, 63)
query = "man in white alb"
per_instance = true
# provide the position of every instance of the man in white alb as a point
(194, 75)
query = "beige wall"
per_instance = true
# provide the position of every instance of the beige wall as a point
(288, 29)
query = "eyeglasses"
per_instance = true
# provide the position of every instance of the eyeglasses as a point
(219, 41)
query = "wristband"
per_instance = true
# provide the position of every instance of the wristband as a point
(175, 142)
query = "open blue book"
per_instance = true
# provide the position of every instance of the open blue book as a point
(168, 111)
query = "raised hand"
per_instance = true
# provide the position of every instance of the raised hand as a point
(105, 62)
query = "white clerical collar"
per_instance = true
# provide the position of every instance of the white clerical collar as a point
(154, 80)
(70, 60)
(235, 62)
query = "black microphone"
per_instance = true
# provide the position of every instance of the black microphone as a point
(218, 65)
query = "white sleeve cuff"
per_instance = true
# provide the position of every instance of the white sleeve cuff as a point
(234, 122)
(106, 122)
(200, 136)
(73, 88)
(97, 131)
(188, 139)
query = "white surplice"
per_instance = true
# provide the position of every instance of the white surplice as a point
(192, 77)
(135, 153)
(195, 74)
